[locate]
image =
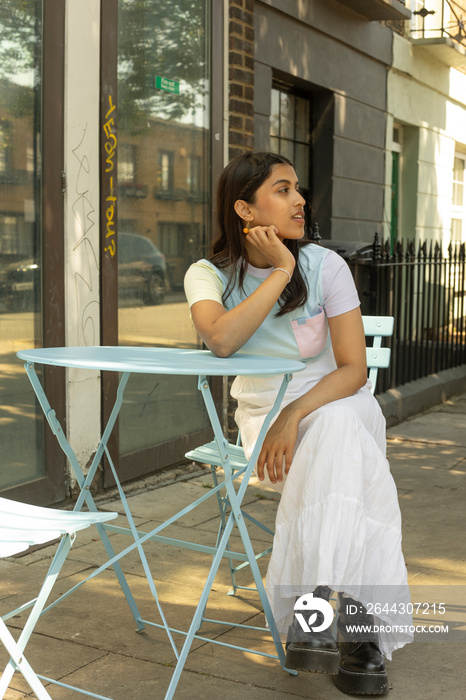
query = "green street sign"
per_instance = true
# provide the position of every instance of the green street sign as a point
(166, 84)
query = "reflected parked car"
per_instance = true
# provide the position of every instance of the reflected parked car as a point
(142, 273)
(142, 269)
(19, 284)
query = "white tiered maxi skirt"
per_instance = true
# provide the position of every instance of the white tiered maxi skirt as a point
(338, 521)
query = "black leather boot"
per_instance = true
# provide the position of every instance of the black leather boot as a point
(362, 668)
(312, 651)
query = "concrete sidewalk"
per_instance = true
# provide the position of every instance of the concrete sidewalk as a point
(90, 639)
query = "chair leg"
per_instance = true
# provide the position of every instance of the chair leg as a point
(49, 581)
(222, 506)
(21, 664)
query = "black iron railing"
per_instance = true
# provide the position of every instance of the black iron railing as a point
(449, 22)
(425, 292)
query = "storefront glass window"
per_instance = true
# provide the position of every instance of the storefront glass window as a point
(21, 427)
(163, 201)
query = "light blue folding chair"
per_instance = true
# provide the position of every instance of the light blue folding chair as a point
(22, 526)
(377, 357)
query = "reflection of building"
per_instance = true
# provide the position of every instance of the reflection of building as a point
(163, 191)
(17, 165)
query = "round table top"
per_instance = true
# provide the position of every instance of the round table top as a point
(160, 361)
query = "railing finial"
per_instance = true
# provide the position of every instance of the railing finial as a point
(376, 249)
(316, 237)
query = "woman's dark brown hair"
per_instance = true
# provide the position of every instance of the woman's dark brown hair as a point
(241, 179)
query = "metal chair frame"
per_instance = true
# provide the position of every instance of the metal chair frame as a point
(21, 526)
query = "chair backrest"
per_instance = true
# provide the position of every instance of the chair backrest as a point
(377, 327)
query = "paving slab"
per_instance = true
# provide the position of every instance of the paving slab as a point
(20, 580)
(12, 694)
(53, 658)
(260, 507)
(150, 681)
(173, 563)
(433, 514)
(257, 670)
(159, 505)
(455, 405)
(436, 427)
(428, 671)
(404, 453)
(97, 614)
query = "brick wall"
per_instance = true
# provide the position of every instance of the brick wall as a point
(241, 77)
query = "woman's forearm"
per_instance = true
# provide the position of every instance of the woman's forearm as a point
(277, 450)
(224, 332)
(342, 382)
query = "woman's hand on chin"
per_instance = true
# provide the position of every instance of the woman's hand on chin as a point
(266, 241)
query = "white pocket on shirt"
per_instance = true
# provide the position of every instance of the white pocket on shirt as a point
(311, 334)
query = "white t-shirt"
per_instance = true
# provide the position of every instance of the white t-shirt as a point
(301, 334)
(340, 294)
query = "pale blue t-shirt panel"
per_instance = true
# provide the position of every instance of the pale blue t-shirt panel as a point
(301, 334)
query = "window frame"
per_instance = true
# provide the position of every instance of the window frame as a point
(166, 178)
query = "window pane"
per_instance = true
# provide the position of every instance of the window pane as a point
(126, 163)
(458, 182)
(274, 145)
(163, 88)
(287, 116)
(302, 120)
(275, 114)
(458, 169)
(21, 427)
(287, 149)
(301, 163)
(194, 174)
(165, 174)
(456, 230)
(458, 194)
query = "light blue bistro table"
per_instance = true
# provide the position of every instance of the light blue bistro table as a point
(203, 364)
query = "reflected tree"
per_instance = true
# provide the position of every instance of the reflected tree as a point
(166, 39)
(20, 122)
(20, 48)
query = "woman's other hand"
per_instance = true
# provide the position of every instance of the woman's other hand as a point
(277, 451)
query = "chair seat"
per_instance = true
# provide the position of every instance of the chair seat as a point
(23, 525)
(209, 454)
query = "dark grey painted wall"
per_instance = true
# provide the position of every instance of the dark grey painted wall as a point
(322, 47)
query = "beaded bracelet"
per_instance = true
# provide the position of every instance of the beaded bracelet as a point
(283, 270)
